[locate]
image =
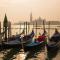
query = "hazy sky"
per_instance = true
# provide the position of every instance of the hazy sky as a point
(18, 10)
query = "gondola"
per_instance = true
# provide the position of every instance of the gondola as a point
(17, 41)
(54, 40)
(56, 36)
(35, 44)
(52, 46)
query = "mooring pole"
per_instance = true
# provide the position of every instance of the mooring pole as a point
(45, 40)
(20, 28)
(26, 28)
(48, 29)
(33, 25)
(36, 28)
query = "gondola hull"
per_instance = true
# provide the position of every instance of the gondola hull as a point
(55, 38)
(34, 45)
(53, 46)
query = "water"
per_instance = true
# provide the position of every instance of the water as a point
(16, 29)
(57, 56)
(16, 54)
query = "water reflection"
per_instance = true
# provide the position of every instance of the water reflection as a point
(57, 57)
(52, 53)
(35, 54)
(21, 55)
(11, 53)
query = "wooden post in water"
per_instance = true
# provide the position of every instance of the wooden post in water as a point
(43, 25)
(0, 27)
(36, 28)
(20, 28)
(22, 44)
(28, 27)
(22, 39)
(24, 28)
(33, 25)
(9, 29)
(48, 29)
(45, 40)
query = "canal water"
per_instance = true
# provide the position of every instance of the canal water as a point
(17, 54)
(34, 54)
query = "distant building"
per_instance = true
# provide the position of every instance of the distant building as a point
(53, 22)
(38, 20)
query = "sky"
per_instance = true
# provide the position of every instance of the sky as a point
(19, 10)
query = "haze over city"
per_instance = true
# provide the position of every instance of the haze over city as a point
(18, 10)
(29, 29)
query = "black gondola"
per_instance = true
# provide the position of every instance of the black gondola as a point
(56, 36)
(36, 43)
(54, 40)
(17, 41)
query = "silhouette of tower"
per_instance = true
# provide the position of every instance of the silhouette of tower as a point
(5, 25)
(9, 29)
(0, 27)
(30, 17)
